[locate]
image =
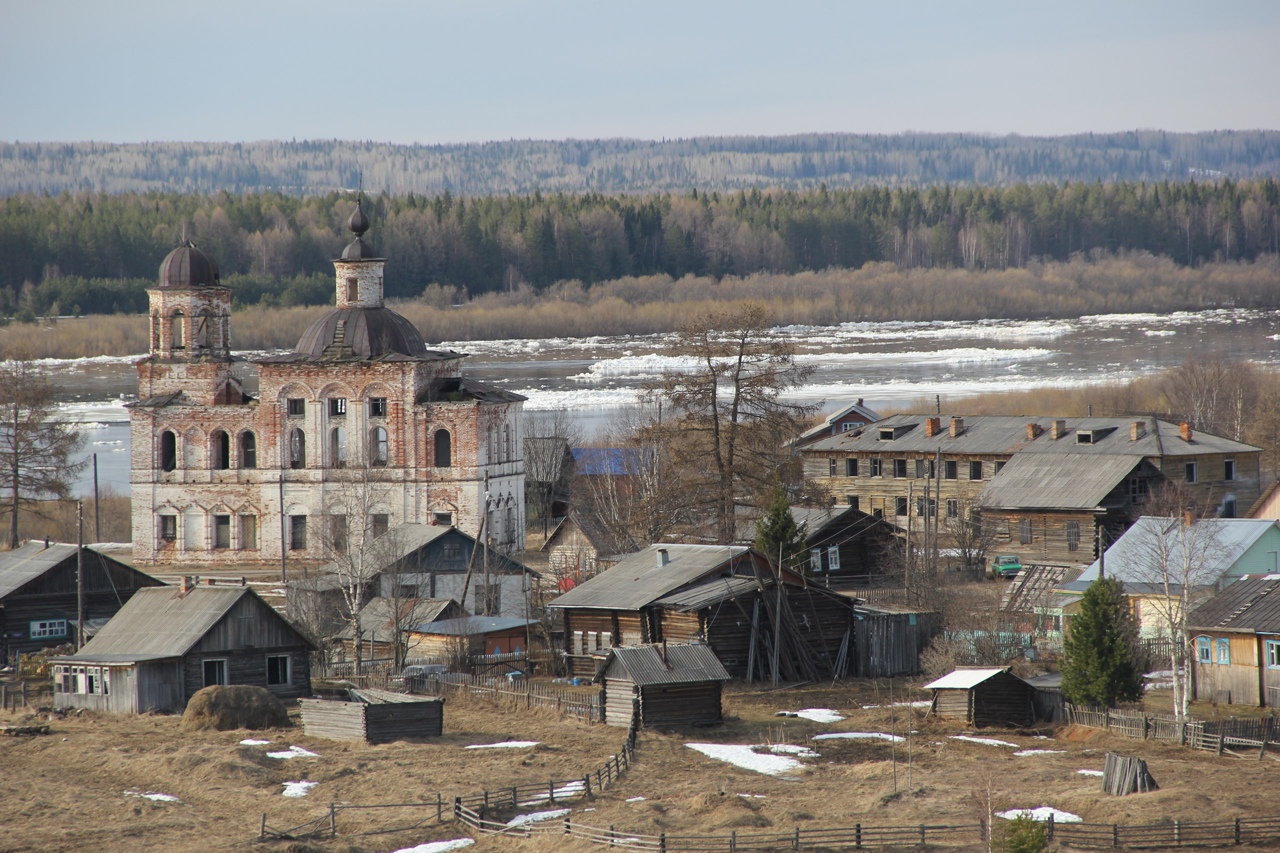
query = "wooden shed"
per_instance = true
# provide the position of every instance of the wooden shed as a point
(888, 639)
(374, 716)
(677, 684)
(983, 696)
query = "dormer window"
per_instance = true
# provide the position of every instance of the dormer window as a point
(886, 434)
(1084, 437)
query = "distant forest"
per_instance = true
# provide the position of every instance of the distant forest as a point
(83, 252)
(839, 160)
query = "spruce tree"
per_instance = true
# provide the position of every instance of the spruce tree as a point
(777, 534)
(1100, 668)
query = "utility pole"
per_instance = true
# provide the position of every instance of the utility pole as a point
(284, 542)
(79, 574)
(97, 517)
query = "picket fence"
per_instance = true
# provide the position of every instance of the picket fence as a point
(1233, 736)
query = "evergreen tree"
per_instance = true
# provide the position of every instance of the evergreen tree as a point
(1100, 667)
(778, 534)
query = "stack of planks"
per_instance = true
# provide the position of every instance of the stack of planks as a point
(379, 717)
(1123, 774)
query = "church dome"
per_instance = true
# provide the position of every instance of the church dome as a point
(189, 266)
(358, 249)
(364, 333)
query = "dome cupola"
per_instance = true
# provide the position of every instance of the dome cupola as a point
(189, 266)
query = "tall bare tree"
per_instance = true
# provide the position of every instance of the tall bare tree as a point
(36, 446)
(548, 440)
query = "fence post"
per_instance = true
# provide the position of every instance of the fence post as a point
(24, 694)
(733, 841)
(1237, 832)
(1221, 740)
(1146, 727)
(1182, 733)
(795, 842)
(439, 806)
(333, 821)
(551, 791)
(586, 783)
(1106, 719)
(1115, 835)
(662, 842)
(566, 825)
(457, 808)
(1050, 826)
(922, 835)
(1177, 832)
(611, 835)
(263, 833)
(514, 797)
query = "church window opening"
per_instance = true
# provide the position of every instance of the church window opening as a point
(353, 290)
(202, 331)
(381, 523)
(168, 528)
(377, 407)
(338, 533)
(442, 519)
(444, 449)
(338, 447)
(221, 450)
(177, 327)
(378, 447)
(297, 407)
(249, 532)
(168, 450)
(297, 448)
(248, 450)
(297, 533)
(337, 407)
(506, 441)
(222, 531)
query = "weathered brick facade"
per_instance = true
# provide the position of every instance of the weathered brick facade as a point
(361, 422)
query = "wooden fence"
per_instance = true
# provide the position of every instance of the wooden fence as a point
(518, 694)
(1234, 736)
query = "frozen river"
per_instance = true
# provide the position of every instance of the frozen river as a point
(887, 364)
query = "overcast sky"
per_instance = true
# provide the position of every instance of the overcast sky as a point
(473, 70)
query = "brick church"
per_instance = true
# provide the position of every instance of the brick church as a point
(359, 429)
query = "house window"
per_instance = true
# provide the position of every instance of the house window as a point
(833, 558)
(248, 450)
(381, 523)
(932, 508)
(900, 468)
(953, 508)
(278, 670)
(1073, 536)
(876, 468)
(1203, 653)
(48, 628)
(949, 470)
(975, 470)
(921, 468)
(1084, 438)
(378, 446)
(997, 468)
(297, 448)
(177, 325)
(215, 672)
(338, 447)
(248, 532)
(851, 500)
(851, 467)
(1224, 651)
(1273, 654)
(1138, 488)
(377, 407)
(899, 506)
(1024, 531)
(506, 441)
(168, 528)
(297, 407)
(815, 560)
(845, 427)
(1229, 508)
(221, 450)
(488, 599)
(1191, 474)
(168, 450)
(1229, 469)
(338, 533)
(337, 407)
(222, 531)
(451, 551)
(831, 467)
(444, 449)
(297, 533)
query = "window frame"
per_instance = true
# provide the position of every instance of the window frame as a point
(1191, 472)
(337, 407)
(220, 666)
(899, 469)
(1026, 534)
(831, 466)
(288, 670)
(876, 468)
(297, 449)
(950, 469)
(377, 407)
(248, 532)
(953, 508)
(851, 466)
(1271, 652)
(975, 465)
(1204, 650)
(295, 407)
(298, 532)
(1073, 536)
(248, 447)
(221, 531)
(220, 447)
(900, 506)
(170, 521)
(43, 632)
(379, 447)
(168, 451)
(1229, 470)
(1222, 651)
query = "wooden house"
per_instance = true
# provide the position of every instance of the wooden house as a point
(672, 684)
(38, 594)
(168, 642)
(1236, 637)
(1268, 503)
(983, 696)
(850, 418)
(846, 547)
(470, 636)
(725, 596)
(379, 624)
(579, 548)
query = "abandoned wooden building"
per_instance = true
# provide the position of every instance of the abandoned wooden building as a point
(373, 716)
(168, 642)
(38, 595)
(888, 639)
(383, 625)
(671, 684)
(846, 547)
(983, 696)
(1236, 635)
(580, 548)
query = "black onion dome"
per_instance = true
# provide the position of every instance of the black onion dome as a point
(358, 223)
(361, 333)
(189, 266)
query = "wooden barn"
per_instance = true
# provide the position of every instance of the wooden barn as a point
(168, 642)
(888, 639)
(373, 716)
(983, 696)
(379, 623)
(470, 636)
(672, 684)
(1236, 635)
(38, 594)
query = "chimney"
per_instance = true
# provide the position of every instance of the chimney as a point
(859, 401)
(1058, 429)
(664, 652)
(1188, 518)
(1184, 430)
(187, 583)
(932, 426)
(663, 557)
(46, 543)
(957, 426)
(1033, 431)
(1137, 430)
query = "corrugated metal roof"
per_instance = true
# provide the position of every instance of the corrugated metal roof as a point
(466, 626)
(640, 580)
(685, 663)
(711, 592)
(160, 622)
(964, 679)
(1005, 435)
(1249, 605)
(1215, 544)
(1054, 481)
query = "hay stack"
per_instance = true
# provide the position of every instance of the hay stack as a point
(239, 706)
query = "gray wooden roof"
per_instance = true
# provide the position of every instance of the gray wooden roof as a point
(640, 579)
(403, 540)
(1057, 481)
(1249, 605)
(684, 663)
(472, 626)
(711, 592)
(22, 565)
(377, 616)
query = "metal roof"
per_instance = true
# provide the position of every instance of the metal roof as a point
(1035, 588)
(1211, 548)
(400, 542)
(712, 592)
(1053, 481)
(459, 389)
(1001, 435)
(189, 266)
(684, 663)
(376, 617)
(22, 565)
(641, 578)
(965, 679)
(1250, 605)
(867, 414)
(466, 626)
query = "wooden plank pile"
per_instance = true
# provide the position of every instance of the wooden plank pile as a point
(1123, 774)
(375, 720)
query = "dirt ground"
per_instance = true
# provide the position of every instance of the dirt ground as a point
(67, 791)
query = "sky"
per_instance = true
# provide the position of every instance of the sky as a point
(421, 71)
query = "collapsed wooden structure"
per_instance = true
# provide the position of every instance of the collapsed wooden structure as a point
(373, 716)
(1124, 774)
(665, 685)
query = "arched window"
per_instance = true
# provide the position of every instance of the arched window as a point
(297, 448)
(177, 328)
(168, 450)
(378, 446)
(248, 450)
(201, 335)
(338, 447)
(444, 449)
(506, 442)
(220, 450)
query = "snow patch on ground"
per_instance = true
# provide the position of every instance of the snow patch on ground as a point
(922, 704)
(753, 796)
(536, 817)
(293, 752)
(569, 789)
(253, 741)
(1040, 752)
(989, 741)
(790, 749)
(1042, 813)
(859, 736)
(1090, 772)
(153, 796)
(298, 789)
(817, 715)
(506, 744)
(746, 757)
(439, 846)
(636, 799)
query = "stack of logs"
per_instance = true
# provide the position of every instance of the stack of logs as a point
(1122, 774)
